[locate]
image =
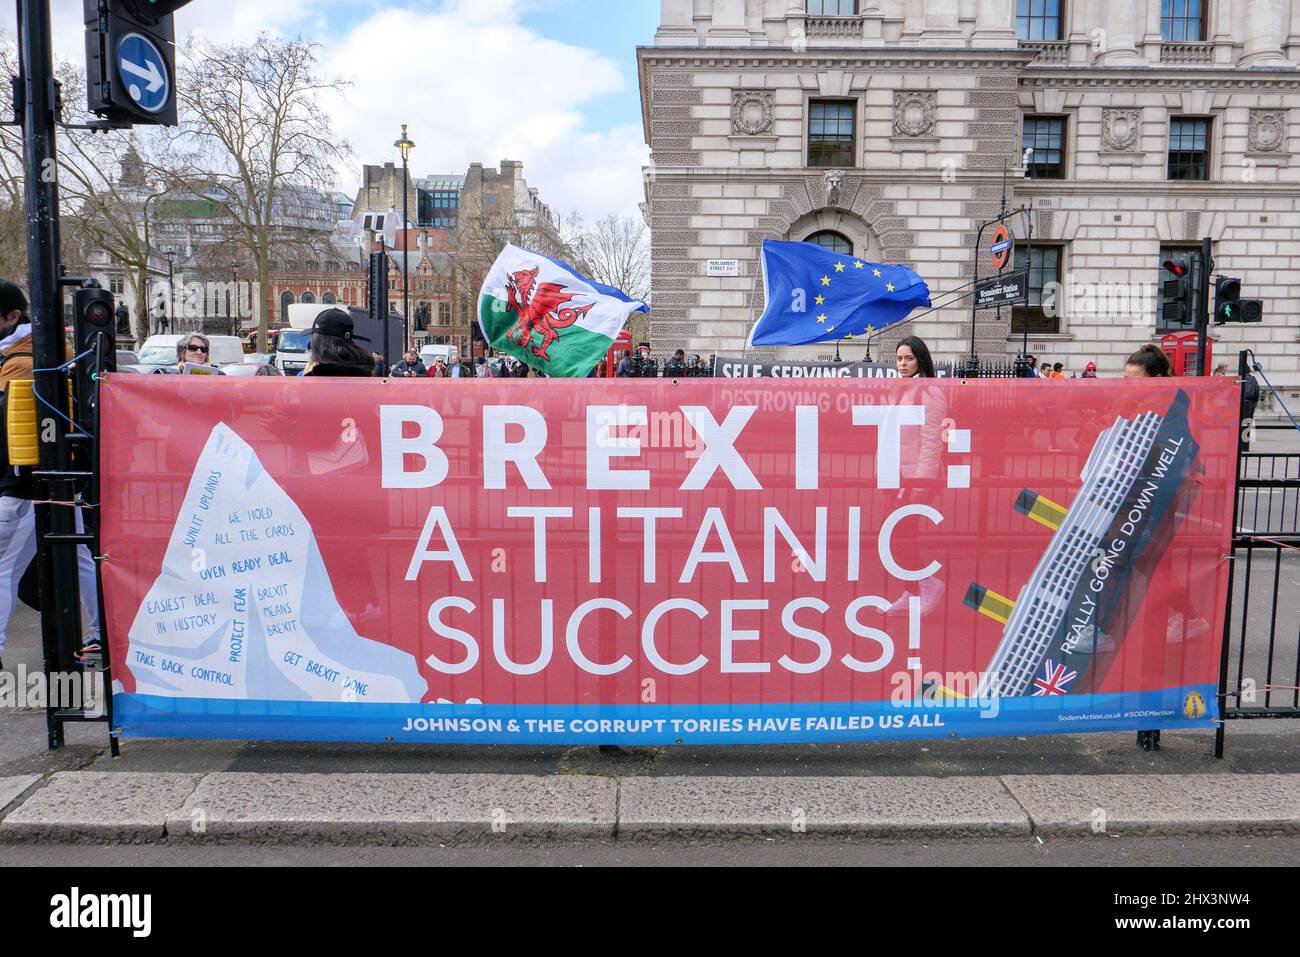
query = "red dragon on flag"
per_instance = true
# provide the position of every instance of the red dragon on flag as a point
(539, 310)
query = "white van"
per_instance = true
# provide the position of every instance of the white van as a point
(430, 354)
(159, 352)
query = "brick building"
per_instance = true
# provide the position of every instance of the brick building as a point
(882, 129)
(450, 242)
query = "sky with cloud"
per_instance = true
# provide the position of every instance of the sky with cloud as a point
(551, 83)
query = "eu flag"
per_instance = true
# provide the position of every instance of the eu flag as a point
(815, 295)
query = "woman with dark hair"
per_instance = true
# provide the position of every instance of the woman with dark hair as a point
(920, 454)
(1149, 362)
(913, 359)
(334, 350)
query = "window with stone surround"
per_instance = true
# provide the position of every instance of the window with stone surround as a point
(1038, 19)
(1192, 256)
(1189, 148)
(830, 132)
(835, 242)
(1182, 21)
(832, 8)
(1044, 264)
(1045, 135)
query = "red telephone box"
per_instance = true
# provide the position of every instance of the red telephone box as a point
(1181, 349)
(608, 367)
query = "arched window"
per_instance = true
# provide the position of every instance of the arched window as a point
(328, 299)
(835, 242)
(286, 300)
(309, 297)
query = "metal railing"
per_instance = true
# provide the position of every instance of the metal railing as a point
(1260, 669)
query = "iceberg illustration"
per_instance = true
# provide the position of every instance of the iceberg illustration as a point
(244, 607)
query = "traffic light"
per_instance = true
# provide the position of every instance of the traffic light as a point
(1230, 307)
(131, 60)
(93, 331)
(1177, 294)
(1227, 300)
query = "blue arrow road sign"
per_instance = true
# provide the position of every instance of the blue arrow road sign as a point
(143, 70)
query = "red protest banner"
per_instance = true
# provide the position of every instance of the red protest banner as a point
(538, 561)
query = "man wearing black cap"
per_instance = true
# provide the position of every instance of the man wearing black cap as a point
(335, 349)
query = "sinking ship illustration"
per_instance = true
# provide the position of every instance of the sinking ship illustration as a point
(1064, 629)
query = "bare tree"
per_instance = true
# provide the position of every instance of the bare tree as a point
(616, 252)
(252, 117)
(112, 187)
(104, 214)
(13, 214)
(485, 226)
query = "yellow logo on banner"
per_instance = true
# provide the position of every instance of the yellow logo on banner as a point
(1194, 705)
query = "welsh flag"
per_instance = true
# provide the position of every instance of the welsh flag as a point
(545, 314)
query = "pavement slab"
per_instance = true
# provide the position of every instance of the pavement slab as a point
(95, 806)
(12, 787)
(1066, 804)
(712, 807)
(395, 808)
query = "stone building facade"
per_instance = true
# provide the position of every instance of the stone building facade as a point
(887, 130)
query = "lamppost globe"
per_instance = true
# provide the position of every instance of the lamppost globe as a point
(405, 145)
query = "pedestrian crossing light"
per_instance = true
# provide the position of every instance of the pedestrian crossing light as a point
(1227, 300)
(131, 60)
(1230, 307)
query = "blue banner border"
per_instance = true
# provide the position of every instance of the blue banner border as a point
(1193, 706)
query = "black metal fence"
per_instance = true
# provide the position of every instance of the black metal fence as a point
(983, 369)
(669, 367)
(1260, 670)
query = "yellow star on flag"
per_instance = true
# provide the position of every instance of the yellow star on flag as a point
(858, 265)
(876, 273)
(826, 280)
(822, 317)
(889, 287)
(820, 300)
(839, 267)
(869, 330)
(830, 328)
(848, 335)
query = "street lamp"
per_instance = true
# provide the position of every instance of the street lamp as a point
(236, 325)
(405, 146)
(168, 317)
